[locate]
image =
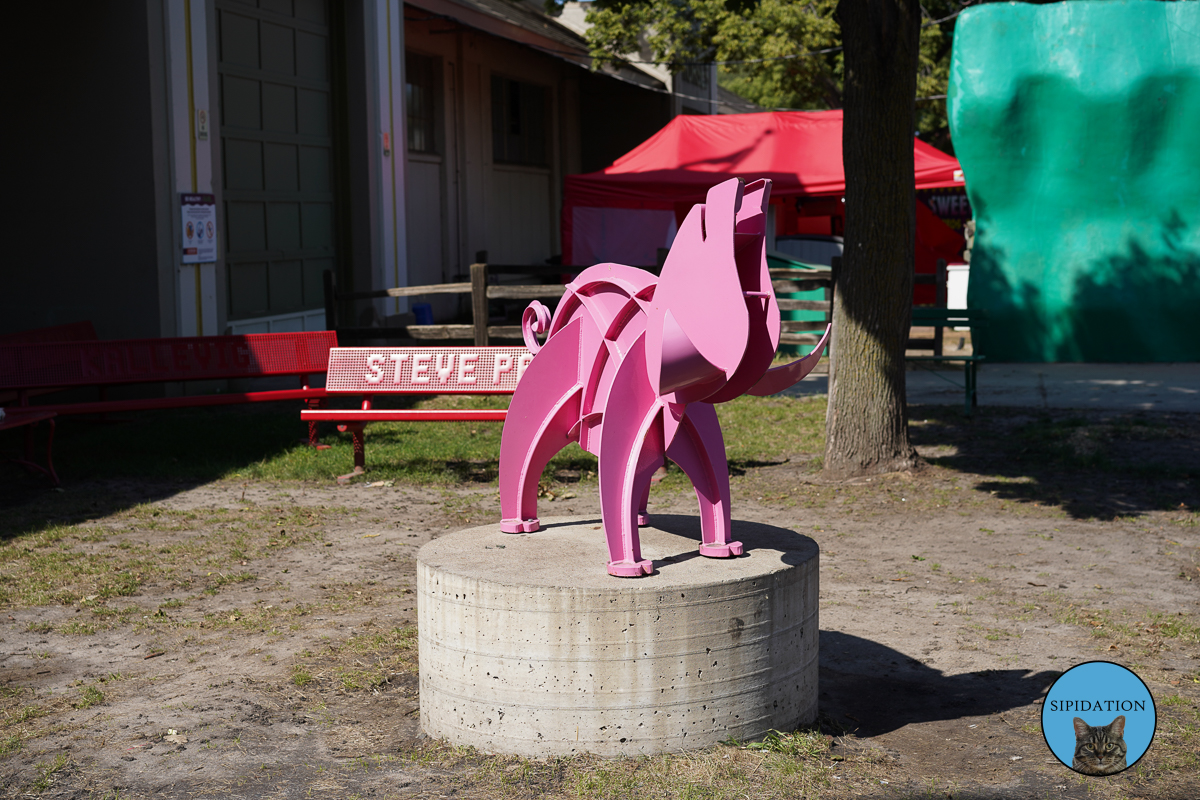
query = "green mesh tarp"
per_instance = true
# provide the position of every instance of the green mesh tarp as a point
(1078, 128)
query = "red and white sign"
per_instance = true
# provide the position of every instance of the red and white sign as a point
(426, 370)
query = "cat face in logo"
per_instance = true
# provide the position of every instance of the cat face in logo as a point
(1100, 749)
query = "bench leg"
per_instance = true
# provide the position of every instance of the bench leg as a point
(969, 386)
(360, 450)
(313, 440)
(29, 463)
(50, 454)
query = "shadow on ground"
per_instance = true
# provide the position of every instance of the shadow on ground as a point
(1093, 464)
(870, 689)
(141, 458)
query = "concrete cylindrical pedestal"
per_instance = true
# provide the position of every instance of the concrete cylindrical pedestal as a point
(528, 646)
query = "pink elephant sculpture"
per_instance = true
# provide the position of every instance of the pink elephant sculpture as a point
(632, 366)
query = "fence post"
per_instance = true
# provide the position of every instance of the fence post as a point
(479, 303)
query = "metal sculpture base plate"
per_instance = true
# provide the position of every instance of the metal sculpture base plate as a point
(528, 648)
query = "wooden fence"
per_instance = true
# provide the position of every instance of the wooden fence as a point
(784, 281)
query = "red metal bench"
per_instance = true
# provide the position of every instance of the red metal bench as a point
(71, 332)
(20, 417)
(32, 368)
(371, 371)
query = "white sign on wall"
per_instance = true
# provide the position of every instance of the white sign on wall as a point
(199, 228)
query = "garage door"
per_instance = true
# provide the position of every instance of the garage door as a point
(278, 154)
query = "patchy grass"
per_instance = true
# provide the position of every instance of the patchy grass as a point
(1177, 740)
(766, 432)
(75, 628)
(783, 765)
(10, 744)
(1085, 465)
(264, 443)
(24, 714)
(46, 772)
(756, 430)
(1074, 442)
(801, 744)
(1148, 629)
(90, 564)
(1173, 626)
(363, 662)
(89, 696)
(768, 429)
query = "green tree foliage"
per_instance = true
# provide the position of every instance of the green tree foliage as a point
(788, 53)
(783, 33)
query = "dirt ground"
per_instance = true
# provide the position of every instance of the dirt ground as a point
(950, 600)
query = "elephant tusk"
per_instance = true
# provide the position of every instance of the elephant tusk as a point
(776, 380)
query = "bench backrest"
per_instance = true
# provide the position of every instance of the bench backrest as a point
(71, 332)
(118, 361)
(425, 370)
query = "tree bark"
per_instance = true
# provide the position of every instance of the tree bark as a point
(866, 428)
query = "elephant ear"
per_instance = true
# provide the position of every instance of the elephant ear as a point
(698, 323)
(750, 251)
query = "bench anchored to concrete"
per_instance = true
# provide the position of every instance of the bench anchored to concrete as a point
(371, 371)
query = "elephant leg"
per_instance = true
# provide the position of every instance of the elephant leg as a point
(643, 518)
(625, 474)
(544, 409)
(699, 450)
(631, 448)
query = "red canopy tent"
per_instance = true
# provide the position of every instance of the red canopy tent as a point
(625, 212)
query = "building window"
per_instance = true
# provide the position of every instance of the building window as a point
(419, 94)
(518, 123)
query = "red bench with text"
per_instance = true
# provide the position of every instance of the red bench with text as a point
(372, 371)
(33, 368)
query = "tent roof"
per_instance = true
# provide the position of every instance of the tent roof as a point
(800, 151)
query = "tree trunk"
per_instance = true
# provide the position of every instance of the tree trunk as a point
(866, 428)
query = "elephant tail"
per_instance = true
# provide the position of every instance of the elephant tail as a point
(535, 320)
